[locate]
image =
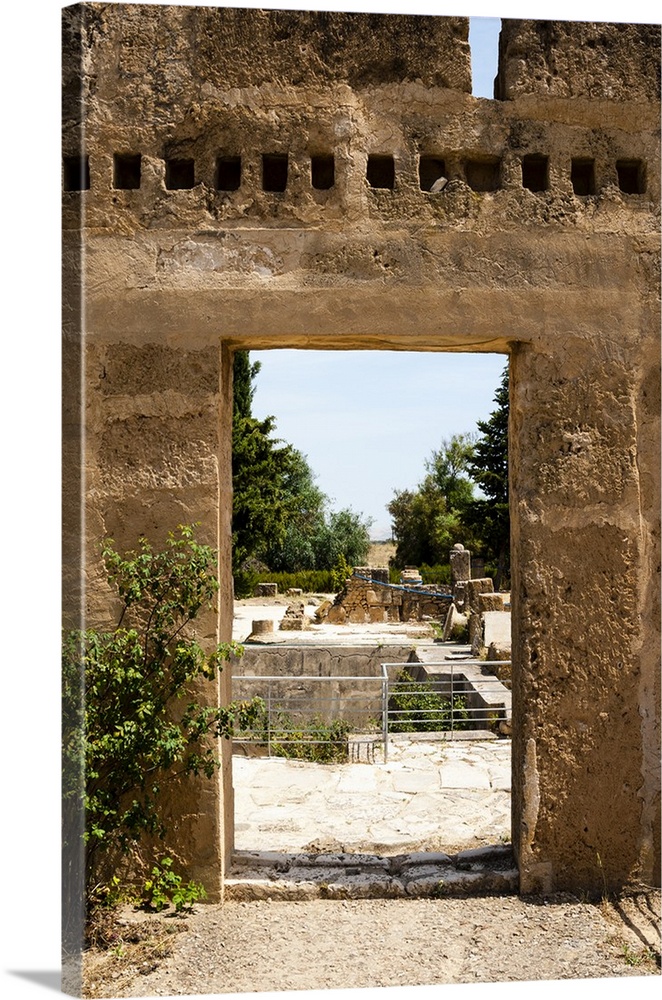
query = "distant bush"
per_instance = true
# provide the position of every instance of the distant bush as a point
(310, 739)
(415, 707)
(438, 574)
(310, 581)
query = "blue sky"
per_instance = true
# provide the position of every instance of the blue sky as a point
(362, 452)
(365, 444)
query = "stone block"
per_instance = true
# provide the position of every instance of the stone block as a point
(293, 624)
(262, 626)
(472, 590)
(475, 631)
(460, 560)
(323, 610)
(377, 614)
(266, 590)
(496, 629)
(490, 602)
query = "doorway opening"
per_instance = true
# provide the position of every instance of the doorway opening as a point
(382, 737)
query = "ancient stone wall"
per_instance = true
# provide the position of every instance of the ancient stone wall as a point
(232, 203)
(367, 597)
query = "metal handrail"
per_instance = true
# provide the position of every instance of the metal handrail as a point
(451, 667)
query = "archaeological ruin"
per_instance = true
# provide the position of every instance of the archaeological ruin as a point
(252, 179)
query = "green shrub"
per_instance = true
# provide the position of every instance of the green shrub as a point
(310, 739)
(166, 887)
(310, 581)
(131, 720)
(415, 707)
(439, 574)
(340, 573)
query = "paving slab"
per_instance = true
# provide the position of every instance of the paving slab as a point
(463, 774)
(450, 794)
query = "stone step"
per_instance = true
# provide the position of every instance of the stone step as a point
(276, 876)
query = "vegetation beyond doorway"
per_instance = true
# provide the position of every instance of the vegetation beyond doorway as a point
(284, 530)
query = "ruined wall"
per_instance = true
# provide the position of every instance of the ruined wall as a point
(614, 62)
(367, 596)
(237, 204)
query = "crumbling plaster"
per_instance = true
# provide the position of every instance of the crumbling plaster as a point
(174, 280)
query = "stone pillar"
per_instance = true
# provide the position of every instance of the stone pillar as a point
(460, 559)
(585, 790)
(152, 447)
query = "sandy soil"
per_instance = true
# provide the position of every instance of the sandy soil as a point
(332, 944)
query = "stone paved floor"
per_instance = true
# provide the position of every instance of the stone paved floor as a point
(428, 796)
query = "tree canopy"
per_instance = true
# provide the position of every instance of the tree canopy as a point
(445, 508)
(488, 465)
(428, 521)
(281, 518)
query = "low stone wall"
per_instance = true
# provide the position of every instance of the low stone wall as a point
(355, 701)
(369, 597)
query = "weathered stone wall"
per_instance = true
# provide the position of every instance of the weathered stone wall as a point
(614, 62)
(357, 702)
(365, 599)
(544, 245)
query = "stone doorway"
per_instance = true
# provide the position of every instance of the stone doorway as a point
(550, 258)
(295, 807)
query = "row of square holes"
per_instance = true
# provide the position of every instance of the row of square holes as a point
(481, 175)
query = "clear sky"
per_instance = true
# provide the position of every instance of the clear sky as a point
(368, 420)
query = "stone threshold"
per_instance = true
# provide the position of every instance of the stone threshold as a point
(279, 876)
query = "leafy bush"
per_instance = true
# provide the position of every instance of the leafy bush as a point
(166, 887)
(415, 707)
(340, 573)
(310, 581)
(312, 739)
(438, 574)
(131, 719)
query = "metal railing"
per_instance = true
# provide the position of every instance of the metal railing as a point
(332, 717)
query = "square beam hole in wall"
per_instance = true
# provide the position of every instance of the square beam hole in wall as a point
(535, 172)
(631, 176)
(582, 176)
(126, 171)
(76, 173)
(430, 169)
(228, 173)
(322, 171)
(483, 174)
(274, 171)
(381, 171)
(180, 174)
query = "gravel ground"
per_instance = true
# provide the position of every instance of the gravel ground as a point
(247, 947)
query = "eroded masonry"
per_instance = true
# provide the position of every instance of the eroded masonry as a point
(253, 179)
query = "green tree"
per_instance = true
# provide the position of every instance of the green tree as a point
(449, 468)
(344, 535)
(305, 502)
(264, 470)
(133, 716)
(489, 518)
(280, 516)
(428, 521)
